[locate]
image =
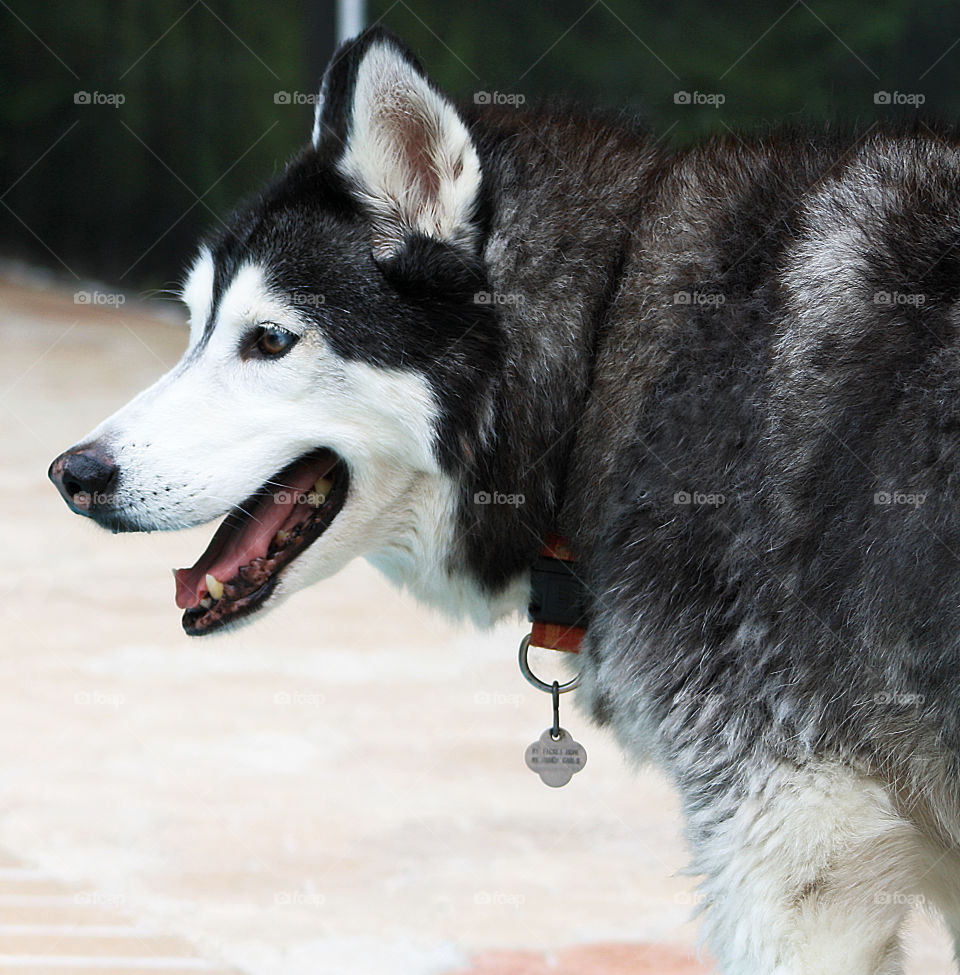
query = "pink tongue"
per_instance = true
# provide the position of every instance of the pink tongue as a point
(232, 547)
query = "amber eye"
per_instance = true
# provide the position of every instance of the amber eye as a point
(271, 341)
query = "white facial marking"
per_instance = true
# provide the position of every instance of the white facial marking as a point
(213, 430)
(197, 293)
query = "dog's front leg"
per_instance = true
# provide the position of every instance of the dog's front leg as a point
(809, 873)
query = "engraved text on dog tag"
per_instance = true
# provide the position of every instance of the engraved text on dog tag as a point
(556, 760)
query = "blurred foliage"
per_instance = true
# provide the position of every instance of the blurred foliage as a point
(121, 192)
(770, 61)
(111, 191)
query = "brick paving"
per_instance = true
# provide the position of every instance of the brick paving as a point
(599, 959)
(51, 928)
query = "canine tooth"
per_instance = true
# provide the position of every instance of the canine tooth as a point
(214, 586)
(206, 602)
(321, 491)
(281, 537)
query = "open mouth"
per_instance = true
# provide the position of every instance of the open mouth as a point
(257, 540)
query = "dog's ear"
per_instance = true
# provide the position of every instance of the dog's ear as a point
(400, 144)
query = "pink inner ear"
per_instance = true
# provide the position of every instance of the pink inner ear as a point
(417, 143)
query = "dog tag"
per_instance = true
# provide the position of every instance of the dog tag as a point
(556, 759)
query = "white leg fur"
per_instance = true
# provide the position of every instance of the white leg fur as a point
(812, 874)
(940, 889)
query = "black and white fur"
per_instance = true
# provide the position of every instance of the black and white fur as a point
(789, 655)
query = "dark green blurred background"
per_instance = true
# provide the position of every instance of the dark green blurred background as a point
(121, 192)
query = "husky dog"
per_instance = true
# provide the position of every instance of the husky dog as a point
(729, 375)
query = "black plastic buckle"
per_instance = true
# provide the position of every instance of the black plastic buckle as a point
(556, 594)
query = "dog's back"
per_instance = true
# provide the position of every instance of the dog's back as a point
(764, 487)
(765, 475)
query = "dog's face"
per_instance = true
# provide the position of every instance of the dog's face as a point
(334, 343)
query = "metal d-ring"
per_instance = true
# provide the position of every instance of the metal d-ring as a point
(541, 685)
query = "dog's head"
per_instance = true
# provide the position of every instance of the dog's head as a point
(337, 365)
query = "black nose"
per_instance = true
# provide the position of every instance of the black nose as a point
(85, 476)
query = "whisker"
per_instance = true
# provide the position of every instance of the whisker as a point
(153, 292)
(236, 508)
(279, 484)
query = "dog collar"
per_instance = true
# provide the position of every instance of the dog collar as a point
(558, 612)
(557, 598)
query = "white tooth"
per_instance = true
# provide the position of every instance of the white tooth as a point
(214, 586)
(206, 602)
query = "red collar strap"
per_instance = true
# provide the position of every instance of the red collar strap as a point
(557, 598)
